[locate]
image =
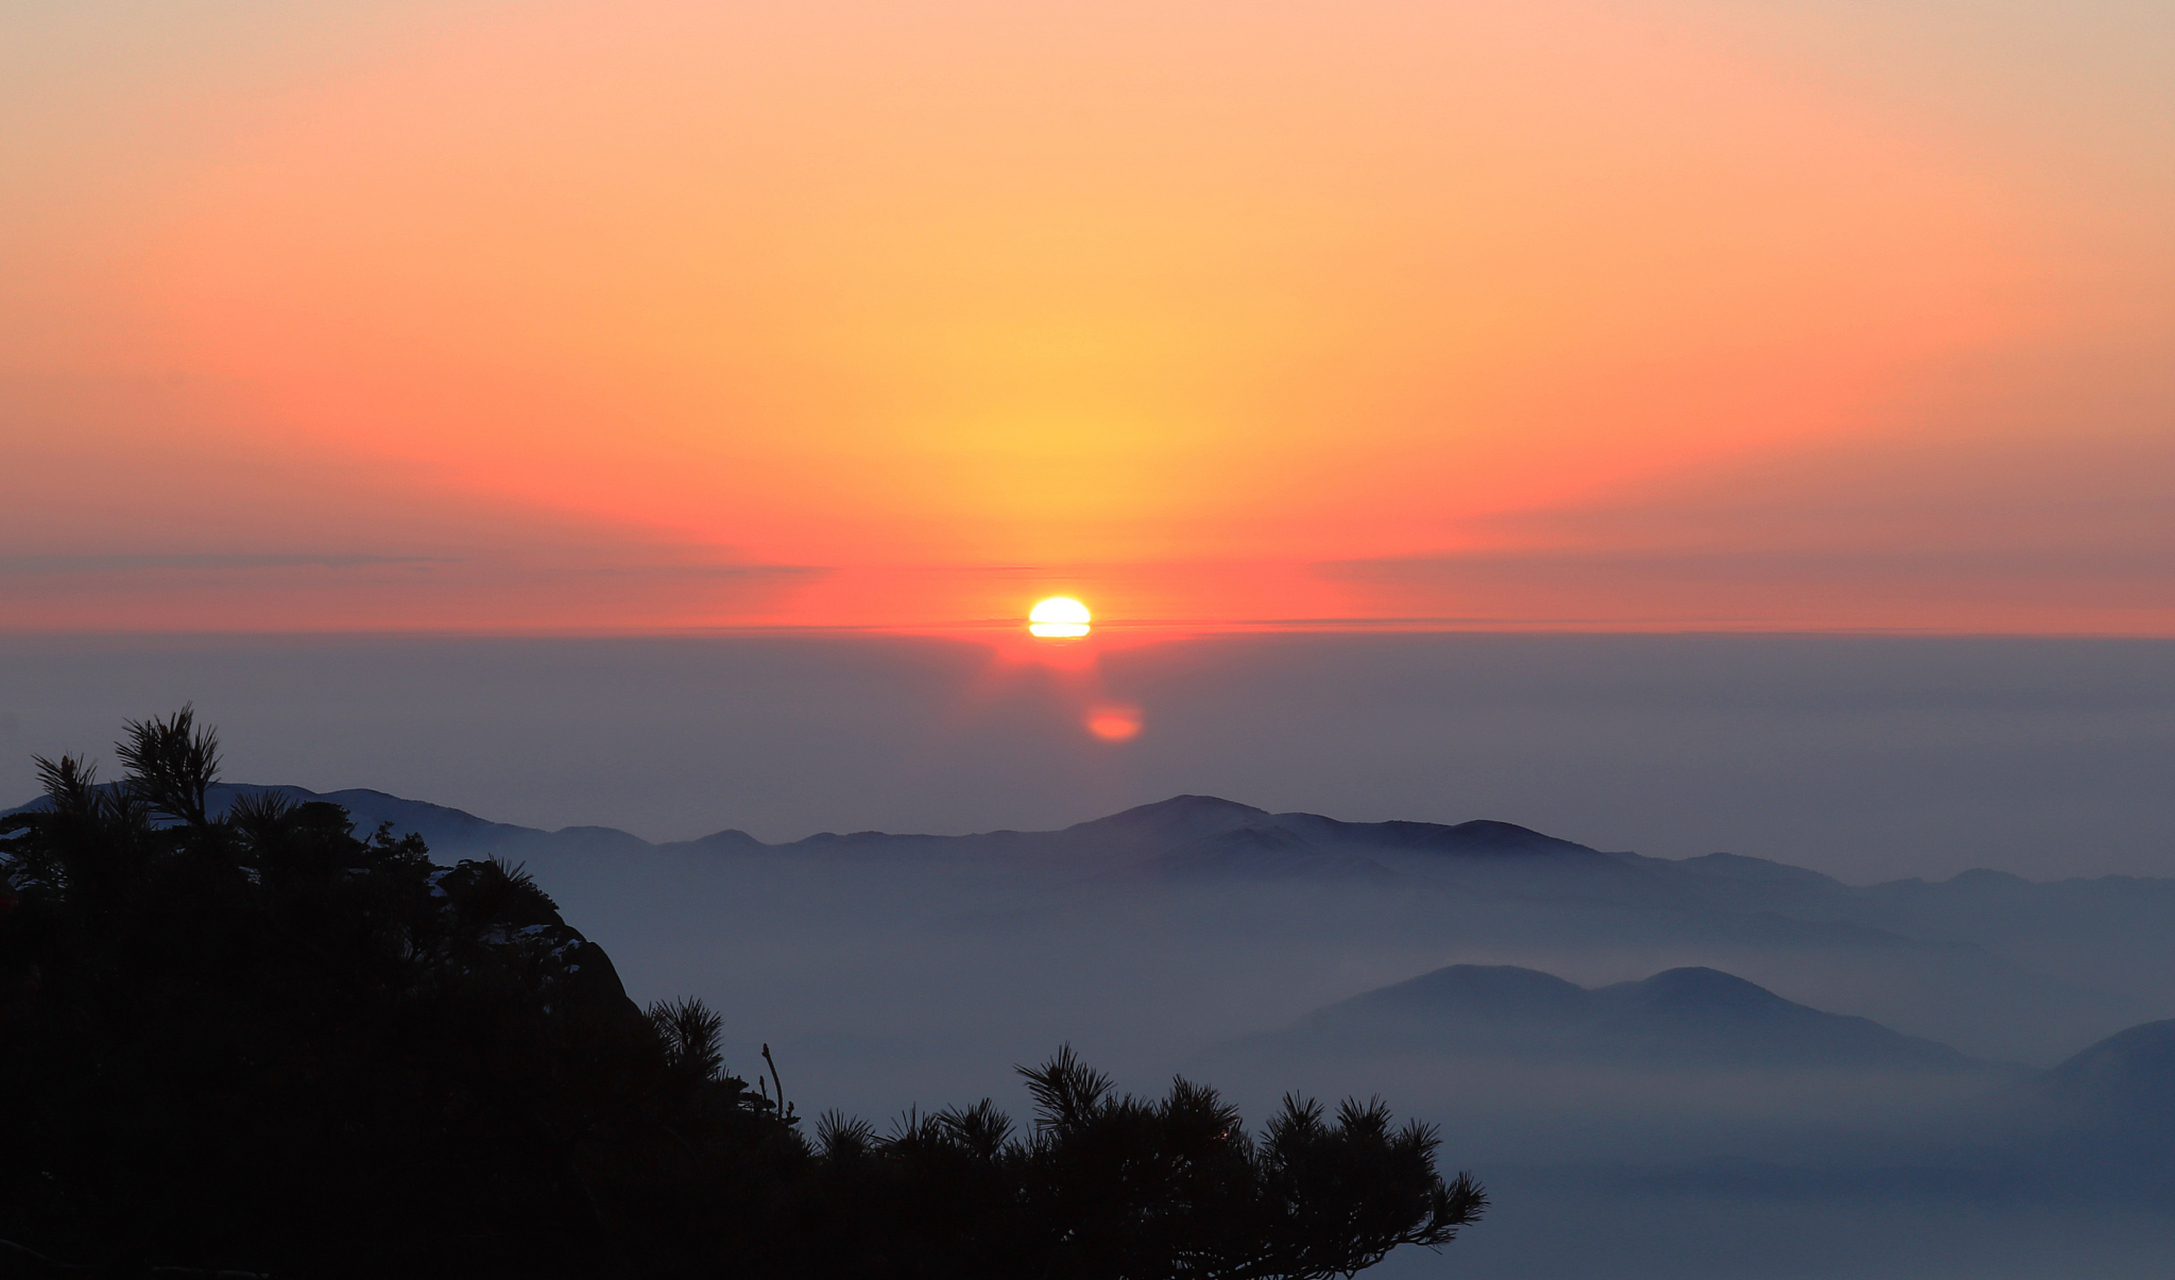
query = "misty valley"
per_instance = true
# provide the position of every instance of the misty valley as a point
(1713, 1066)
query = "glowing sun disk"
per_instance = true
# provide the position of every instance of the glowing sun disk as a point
(1059, 617)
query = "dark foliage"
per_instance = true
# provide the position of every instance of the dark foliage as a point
(256, 1041)
(1108, 1186)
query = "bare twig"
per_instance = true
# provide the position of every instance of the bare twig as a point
(23, 1259)
(774, 1080)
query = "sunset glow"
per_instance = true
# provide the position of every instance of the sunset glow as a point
(1551, 314)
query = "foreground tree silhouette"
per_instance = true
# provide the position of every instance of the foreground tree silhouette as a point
(1106, 1185)
(254, 1040)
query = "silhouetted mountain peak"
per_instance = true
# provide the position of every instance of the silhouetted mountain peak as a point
(1177, 819)
(730, 840)
(1480, 837)
(2128, 1078)
(1493, 992)
(1762, 871)
(1485, 835)
(1697, 988)
(1692, 1016)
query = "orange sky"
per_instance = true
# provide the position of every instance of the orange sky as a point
(900, 314)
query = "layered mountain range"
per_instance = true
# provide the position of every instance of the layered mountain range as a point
(2000, 967)
(1683, 1052)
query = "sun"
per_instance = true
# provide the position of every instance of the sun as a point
(1057, 618)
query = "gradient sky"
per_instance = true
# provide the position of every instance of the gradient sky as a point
(1759, 314)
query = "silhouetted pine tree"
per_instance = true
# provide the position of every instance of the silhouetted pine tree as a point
(1109, 1186)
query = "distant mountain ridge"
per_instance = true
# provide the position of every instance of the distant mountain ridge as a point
(1181, 823)
(2003, 967)
(1193, 836)
(1691, 1017)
